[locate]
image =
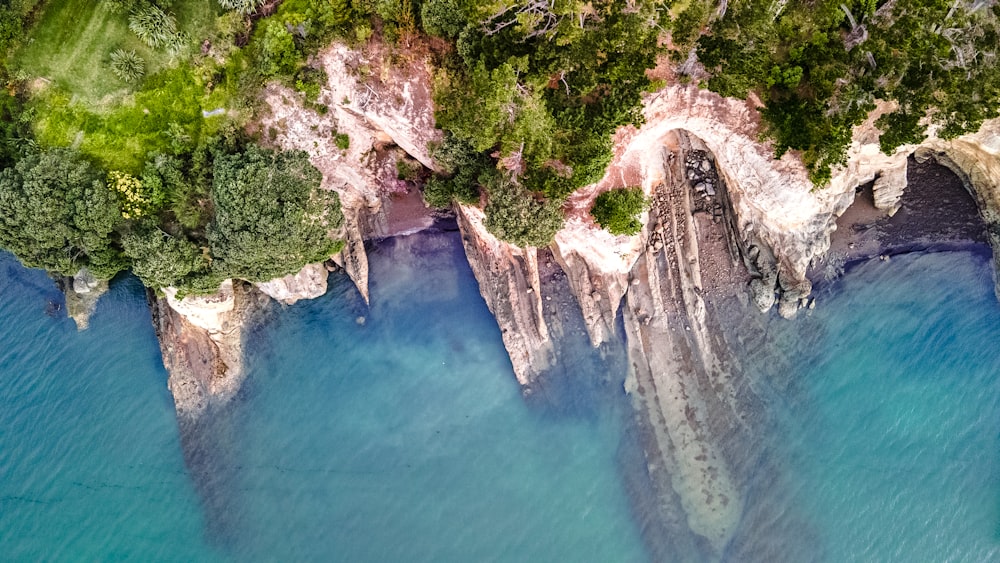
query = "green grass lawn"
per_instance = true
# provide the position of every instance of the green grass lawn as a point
(85, 105)
(73, 39)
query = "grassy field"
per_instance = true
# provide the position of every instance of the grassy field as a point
(83, 104)
(72, 41)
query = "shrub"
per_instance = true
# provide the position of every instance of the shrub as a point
(342, 141)
(153, 26)
(132, 198)
(514, 215)
(127, 66)
(618, 210)
(244, 7)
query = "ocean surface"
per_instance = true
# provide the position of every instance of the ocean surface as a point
(398, 432)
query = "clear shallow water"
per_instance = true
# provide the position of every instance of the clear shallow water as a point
(889, 421)
(402, 438)
(406, 438)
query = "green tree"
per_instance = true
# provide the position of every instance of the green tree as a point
(444, 18)
(618, 210)
(160, 259)
(517, 216)
(271, 217)
(56, 213)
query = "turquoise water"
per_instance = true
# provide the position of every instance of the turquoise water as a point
(403, 435)
(404, 438)
(889, 424)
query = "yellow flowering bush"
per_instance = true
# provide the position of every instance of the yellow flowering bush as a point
(134, 201)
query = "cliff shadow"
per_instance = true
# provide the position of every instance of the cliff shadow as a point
(937, 213)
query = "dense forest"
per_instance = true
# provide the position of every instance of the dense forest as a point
(133, 153)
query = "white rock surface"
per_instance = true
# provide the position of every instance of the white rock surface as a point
(308, 283)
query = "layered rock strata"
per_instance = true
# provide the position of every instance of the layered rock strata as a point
(201, 338)
(510, 284)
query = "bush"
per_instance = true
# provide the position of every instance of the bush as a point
(514, 215)
(618, 210)
(154, 27)
(127, 66)
(244, 7)
(342, 141)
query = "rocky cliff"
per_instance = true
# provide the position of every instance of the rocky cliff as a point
(82, 292)
(201, 338)
(731, 229)
(382, 113)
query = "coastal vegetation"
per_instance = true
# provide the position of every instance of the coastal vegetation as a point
(618, 210)
(148, 104)
(125, 146)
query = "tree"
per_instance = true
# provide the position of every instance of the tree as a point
(271, 217)
(56, 213)
(516, 216)
(618, 210)
(160, 259)
(444, 18)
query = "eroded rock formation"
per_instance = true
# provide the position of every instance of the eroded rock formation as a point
(732, 230)
(375, 106)
(201, 338)
(377, 110)
(82, 292)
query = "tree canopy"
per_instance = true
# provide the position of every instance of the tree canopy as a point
(57, 213)
(271, 218)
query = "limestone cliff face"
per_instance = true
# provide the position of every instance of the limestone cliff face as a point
(731, 228)
(781, 221)
(510, 284)
(383, 110)
(308, 283)
(201, 338)
(974, 158)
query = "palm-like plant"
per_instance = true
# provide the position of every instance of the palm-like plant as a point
(127, 65)
(153, 26)
(244, 7)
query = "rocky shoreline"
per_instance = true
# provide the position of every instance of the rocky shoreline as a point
(732, 233)
(936, 213)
